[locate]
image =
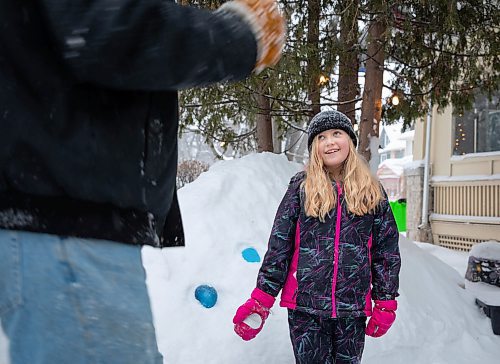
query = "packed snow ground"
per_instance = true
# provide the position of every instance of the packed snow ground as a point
(455, 259)
(231, 207)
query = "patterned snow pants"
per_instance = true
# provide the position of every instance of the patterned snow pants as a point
(320, 340)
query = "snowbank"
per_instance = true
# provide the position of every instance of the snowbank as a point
(231, 207)
(455, 259)
(227, 209)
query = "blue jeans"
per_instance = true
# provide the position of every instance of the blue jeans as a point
(70, 300)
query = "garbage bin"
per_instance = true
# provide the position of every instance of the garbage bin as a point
(399, 211)
(482, 279)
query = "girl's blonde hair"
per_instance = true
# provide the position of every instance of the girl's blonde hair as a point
(362, 191)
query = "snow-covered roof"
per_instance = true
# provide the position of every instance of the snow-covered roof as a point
(394, 130)
(407, 135)
(393, 145)
(397, 141)
(396, 164)
(415, 164)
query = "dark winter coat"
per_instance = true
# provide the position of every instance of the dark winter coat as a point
(89, 113)
(325, 268)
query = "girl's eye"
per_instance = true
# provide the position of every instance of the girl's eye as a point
(336, 133)
(321, 137)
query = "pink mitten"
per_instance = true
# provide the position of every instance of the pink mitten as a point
(382, 318)
(259, 303)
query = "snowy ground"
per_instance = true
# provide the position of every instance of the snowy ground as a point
(455, 259)
(231, 207)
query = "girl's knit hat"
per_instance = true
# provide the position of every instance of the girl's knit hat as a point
(326, 120)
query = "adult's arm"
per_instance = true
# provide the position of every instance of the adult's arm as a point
(148, 44)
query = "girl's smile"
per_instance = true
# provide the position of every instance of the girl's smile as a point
(333, 147)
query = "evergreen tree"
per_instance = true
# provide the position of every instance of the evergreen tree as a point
(439, 50)
(241, 114)
(442, 51)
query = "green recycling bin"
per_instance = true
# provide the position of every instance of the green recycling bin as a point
(399, 212)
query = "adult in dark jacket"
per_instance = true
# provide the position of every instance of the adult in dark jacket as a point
(88, 155)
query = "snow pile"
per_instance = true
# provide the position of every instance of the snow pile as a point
(484, 256)
(486, 250)
(226, 210)
(230, 208)
(437, 321)
(455, 259)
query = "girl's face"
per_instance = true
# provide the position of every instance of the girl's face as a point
(333, 148)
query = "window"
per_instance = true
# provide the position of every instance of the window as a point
(384, 139)
(478, 129)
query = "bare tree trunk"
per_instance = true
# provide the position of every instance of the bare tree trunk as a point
(277, 140)
(296, 144)
(349, 58)
(371, 109)
(314, 63)
(292, 138)
(264, 132)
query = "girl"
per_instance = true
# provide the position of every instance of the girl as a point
(333, 248)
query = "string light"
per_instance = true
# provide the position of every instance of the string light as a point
(323, 80)
(460, 136)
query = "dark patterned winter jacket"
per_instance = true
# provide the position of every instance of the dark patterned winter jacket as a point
(334, 268)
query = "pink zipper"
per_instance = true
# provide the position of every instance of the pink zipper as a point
(336, 250)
